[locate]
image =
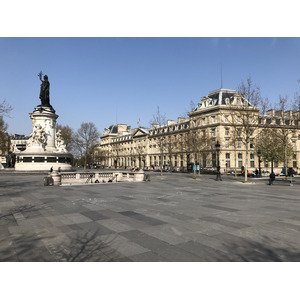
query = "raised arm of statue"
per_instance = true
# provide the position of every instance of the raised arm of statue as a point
(40, 76)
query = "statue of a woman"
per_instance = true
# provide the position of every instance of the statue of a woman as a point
(45, 90)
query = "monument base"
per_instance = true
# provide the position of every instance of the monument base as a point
(43, 162)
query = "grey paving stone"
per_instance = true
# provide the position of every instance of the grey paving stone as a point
(132, 222)
(7, 204)
(114, 225)
(174, 253)
(171, 218)
(123, 245)
(146, 241)
(216, 244)
(8, 220)
(168, 233)
(68, 228)
(204, 252)
(140, 217)
(284, 225)
(148, 257)
(94, 215)
(224, 222)
(249, 250)
(220, 208)
(76, 218)
(124, 259)
(95, 228)
(125, 198)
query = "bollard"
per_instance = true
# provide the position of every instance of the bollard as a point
(46, 181)
(56, 178)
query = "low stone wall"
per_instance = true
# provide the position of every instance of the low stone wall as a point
(60, 178)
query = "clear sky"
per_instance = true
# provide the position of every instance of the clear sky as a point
(109, 80)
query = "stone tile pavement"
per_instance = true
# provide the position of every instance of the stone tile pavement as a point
(171, 218)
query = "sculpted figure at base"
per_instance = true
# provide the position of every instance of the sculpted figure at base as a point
(45, 90)
(37, 137)
(60, 143)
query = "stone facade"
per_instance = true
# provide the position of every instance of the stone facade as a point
(224, 116)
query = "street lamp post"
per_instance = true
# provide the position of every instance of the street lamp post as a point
(259, 161)
(218, 161)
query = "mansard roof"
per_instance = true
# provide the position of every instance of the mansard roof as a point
(219, 96)
(142, 129)
(113, 128)
(222, 97)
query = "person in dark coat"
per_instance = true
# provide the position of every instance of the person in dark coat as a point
(272, 178)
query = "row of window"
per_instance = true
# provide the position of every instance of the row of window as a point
(169, 129)
(155, 160)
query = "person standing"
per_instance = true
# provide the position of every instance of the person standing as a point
(272, 178)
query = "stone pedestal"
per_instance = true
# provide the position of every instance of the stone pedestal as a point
(56, 176)
(45, 148)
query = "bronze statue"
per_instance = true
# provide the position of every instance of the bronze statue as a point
(45, 90)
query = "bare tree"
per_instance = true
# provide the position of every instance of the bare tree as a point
(198, 144)
(296, 104)
(116, 153)
(271, 146)
(284, 131)
(85, 139)
(170, 148)
(265, 105)
(250, 91)
(5, 108)
(139, 153)
(100, 155)
(179, 141)
(192, 107)
(159, 120)
(245, 116)
(4, 137)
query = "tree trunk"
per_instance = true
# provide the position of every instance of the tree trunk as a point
(199, 162)
(85, 156)
(285, 160)
(246, 164)
(272, 166)
(235, 168)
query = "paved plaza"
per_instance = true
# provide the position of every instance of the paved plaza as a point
(170, 218)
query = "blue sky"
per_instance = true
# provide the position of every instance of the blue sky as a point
(109, 80)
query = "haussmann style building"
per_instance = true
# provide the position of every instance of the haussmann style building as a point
(222, 117)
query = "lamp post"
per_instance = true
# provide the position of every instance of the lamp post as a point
(259, 161)
(217, 145)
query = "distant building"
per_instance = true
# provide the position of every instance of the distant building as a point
(223, 116)
(18, 142)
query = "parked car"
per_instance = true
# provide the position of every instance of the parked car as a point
(265, 173)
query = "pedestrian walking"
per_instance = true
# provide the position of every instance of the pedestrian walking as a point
(272, 178)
